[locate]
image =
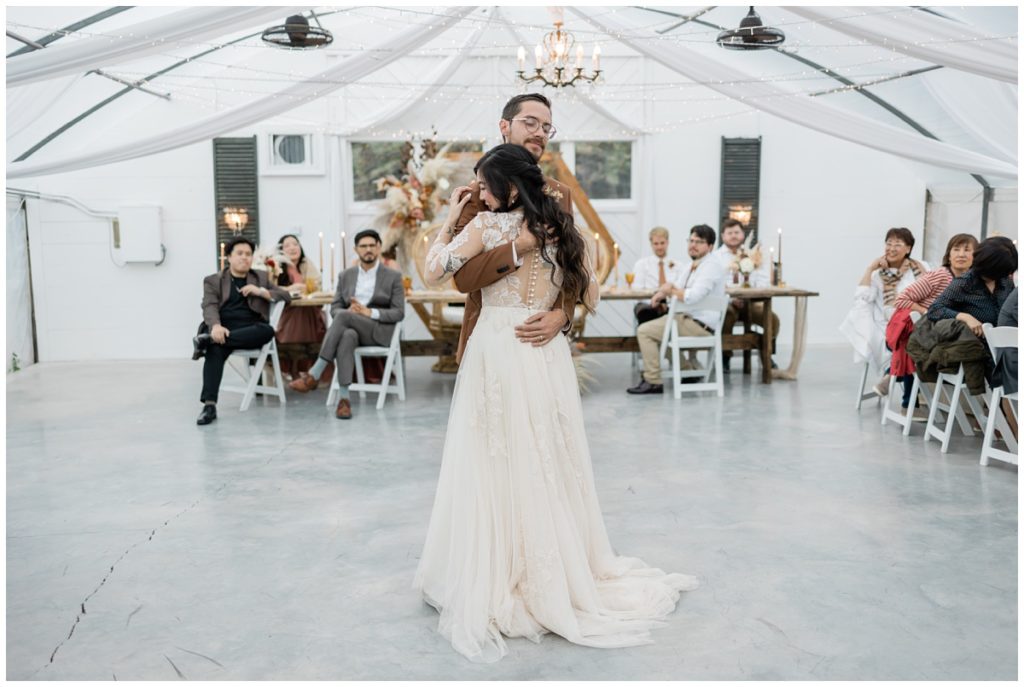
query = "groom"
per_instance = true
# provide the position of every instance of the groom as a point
(525, 121)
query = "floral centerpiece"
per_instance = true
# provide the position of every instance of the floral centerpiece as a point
(270, 261)
(746, 260)
(415, 200)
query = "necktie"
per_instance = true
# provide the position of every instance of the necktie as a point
(661, 272)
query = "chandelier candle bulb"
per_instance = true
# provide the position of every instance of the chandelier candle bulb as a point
(579, 57)
(597, 58)
(521, 58)
(537, 55)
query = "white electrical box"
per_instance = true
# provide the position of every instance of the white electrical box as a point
(138, 233)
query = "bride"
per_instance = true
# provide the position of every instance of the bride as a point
(516, 544)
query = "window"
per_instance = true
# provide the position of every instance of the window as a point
(605, 168)
(292, 153)
(290, 149)
(462, 146)
(235, 185)
(372, 160)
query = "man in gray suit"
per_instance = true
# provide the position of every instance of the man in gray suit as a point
(369, 301)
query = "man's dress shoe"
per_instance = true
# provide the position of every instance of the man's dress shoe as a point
(645, 387)
(207, 415)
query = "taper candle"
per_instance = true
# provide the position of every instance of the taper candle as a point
(780, 244)
(344, 253)
(332, 263)
(222, 255)
(771, 265)
(597, 252)
(321, 235)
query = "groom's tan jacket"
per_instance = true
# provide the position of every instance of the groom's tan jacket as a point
(490, 266)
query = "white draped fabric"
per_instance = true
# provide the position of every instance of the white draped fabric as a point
(989, 116)
(133, 42)
(291, 96)
(443, 73)
(924, 36)
(802, 110)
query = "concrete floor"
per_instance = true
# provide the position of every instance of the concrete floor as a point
(281, 543)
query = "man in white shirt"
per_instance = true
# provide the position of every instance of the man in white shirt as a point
(369, 301)
(652, 271)
(733, 236)
(703, 276)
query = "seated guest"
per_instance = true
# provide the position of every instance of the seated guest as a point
(702, 276)
(733, 236)
(874, 301)
(236, 310)
(1006, 361)
(300, 330)
(926, 288)
(976, 296)
(369, 300)
(1006, 365)
(652, 271)
(916, 298)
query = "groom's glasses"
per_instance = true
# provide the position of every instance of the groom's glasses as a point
(532, 124)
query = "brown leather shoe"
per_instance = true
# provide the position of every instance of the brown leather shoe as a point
(344, 411)
(304, 383)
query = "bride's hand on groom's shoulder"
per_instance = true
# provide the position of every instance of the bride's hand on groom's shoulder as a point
(456, 202)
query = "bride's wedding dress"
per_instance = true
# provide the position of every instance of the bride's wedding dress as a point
(516, 544)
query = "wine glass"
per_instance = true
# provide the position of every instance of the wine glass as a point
(629, 279)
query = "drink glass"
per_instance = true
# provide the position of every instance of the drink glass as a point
(629, 279)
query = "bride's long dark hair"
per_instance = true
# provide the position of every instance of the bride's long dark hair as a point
(508, 165)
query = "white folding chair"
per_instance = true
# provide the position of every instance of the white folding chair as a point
(863, 395)
(393, 363)
(891, 411)
(952, 408)
(252, 373)
(1000, 337)
(710, 345)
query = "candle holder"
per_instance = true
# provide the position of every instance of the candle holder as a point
(778, 275)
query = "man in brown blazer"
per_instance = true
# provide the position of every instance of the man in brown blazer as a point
(525, 121)
(236, 313)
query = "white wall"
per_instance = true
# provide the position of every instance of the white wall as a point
(87, 307)
(834, 200)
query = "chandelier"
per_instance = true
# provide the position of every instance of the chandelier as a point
(551, 60)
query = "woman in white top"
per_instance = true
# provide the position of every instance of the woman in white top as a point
(516, 545)
(874, 301)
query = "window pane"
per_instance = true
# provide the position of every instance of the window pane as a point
(604, 168)
(371, 161)
(462, 146)
(289, 149)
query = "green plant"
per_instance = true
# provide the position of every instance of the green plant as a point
(15, 363)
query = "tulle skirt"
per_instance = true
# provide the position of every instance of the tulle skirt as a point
(516, 544)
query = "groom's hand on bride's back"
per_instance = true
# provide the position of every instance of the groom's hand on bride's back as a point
(541, 328)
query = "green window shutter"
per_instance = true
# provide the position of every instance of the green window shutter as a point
(235, 185)
(741, 180)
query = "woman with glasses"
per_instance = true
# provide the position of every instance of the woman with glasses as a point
(874, 301)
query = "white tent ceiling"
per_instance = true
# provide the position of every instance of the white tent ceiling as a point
(456, 78)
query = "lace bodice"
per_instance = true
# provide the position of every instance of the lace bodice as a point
(536, 284)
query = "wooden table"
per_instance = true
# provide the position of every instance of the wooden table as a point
(446, 335)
